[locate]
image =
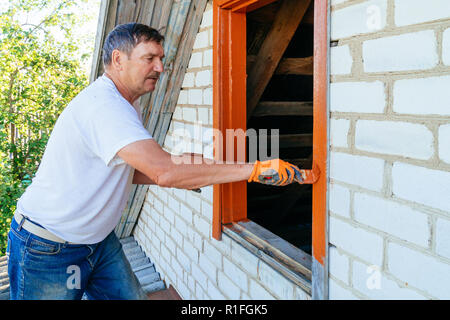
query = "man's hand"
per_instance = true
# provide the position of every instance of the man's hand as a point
(277, 172)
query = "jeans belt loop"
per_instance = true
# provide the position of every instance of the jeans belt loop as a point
(21, 223)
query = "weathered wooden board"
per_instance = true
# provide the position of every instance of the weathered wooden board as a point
(283, 108)
(283, 28)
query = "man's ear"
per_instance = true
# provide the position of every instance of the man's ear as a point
(117, 60)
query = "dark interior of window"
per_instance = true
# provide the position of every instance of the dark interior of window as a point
(286, 105)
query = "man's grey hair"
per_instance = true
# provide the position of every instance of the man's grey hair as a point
(125, 37)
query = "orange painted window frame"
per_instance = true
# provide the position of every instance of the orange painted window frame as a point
(229, 110)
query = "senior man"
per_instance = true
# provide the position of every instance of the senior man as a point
(61, 243)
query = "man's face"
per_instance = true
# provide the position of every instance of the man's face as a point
(144, 66)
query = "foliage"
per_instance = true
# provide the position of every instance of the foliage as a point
(39, 75)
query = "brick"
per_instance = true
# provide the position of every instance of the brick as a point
(367, 17)
(444, 143)
(195, 96)
(410, 51)
(180, 225)
(193, 201)
(201, 40)
(223, 245)
(244, 258)
(358, 170)
(189, 114)
(393, 137)
(339, 132)
(202, 226)
(352, 97)
(174, 204)
(203, 115)
(398, 220)
(190, 251)
(370, 281)
(207, 210)
(339, 265)
(341, 60)
(203, 78)
(419, 270)
(446, 47)
(213, 292)
(184, 260)
(186, 213)
(208, 267)
(207, 193)
(422, 96)
(275, 282)
(165, 225)
(207, 19)
(182, 97)
(232, 291)
(208, 96)
(338, 292)
(196, 60)
(200, 276)
(421, 185)
(409, 12)
(257, 292)
(335, 2)
(208, 58)
(213, 254)
(357, 241)
(183, 291)
(233, 272)
(443, 237)
(339, 200)
(188, 81)
(177, 114)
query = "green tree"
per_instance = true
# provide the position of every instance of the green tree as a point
(39, 75)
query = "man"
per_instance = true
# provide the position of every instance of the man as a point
(61, 243)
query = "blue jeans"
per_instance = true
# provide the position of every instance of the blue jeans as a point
(43, 269)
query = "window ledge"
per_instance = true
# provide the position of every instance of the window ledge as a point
(288, 260)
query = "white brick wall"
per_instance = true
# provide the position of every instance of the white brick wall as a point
(421, 185)
(446, 47)
(366, 17)
(357, 170)
(424, 96)
(339, 132)
(411, 51)
(341, 60)
(361, 243)
(417, 11)
(389, 217)
(373, 284)
(352, 97)
(444, 143)
(395, 219)
(443, 237)
(339, 200)
(393, 137)
(419, 270)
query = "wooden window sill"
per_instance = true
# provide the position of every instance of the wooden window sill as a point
(291, 262)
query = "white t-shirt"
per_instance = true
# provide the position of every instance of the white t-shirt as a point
(82, 186)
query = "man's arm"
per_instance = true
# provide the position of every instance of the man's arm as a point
(140, 178)
(166, 170)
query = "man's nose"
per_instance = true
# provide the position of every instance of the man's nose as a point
(159, 67)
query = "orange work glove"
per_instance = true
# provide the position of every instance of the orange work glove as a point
(277, 172)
